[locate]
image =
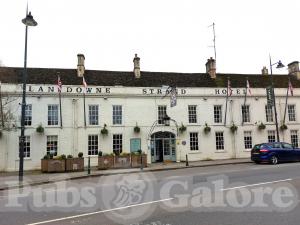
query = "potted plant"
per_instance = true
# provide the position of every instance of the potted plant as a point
(105, 161)
(136, 129)
(182, 128)
(206, 129)
(104, 130)
(233, 128)
(261, 126)
(283, 127)
(138, 158)
(40, 129)
(75, 164)
(122, 160)
(53, 164)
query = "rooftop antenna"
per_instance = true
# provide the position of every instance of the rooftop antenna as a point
(214, 40)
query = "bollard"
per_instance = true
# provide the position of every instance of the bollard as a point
(186, 160)
(89, 165)
(141, 162)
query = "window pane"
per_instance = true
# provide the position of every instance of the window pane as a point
(271, 135)
(194, 141)
(117, 114)
(28, 115)
(162, 112)
(192, 110)
(52, 142)
(291, 113)
(269, 113)
(117, 143)
(218, 114)
(248, 140)
(93, 114)
(93, 145)
(52, 114)
(26, 146)
(245, 113)
(219, 141)
(294, 138)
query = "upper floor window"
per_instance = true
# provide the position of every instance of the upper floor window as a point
(162, 112)
(93, 114)
(117, 114)
(52, 145)
(194, 145)
(28, 115)
(52, 114)
(294, 138)
(192, 113)
(218, 113)
(219, 140)
(117, 143)
(93, 145)
(292, 112)
(269, 113)
(245, 113)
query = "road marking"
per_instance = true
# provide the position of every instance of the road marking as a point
(98, 212)
(258, 184)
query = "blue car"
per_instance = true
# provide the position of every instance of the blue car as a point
(274, 153)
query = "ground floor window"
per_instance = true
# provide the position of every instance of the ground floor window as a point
(117, 143)
(26, 146)
(52, 142)
(93, 145)
(271, 135)
(219, 140)
(194, 141)
(247, 139)
(294, 138)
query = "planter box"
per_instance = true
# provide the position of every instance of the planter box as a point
(122, 162)
(105, 162)
(75, 164)
(136, 160)
(53, 165)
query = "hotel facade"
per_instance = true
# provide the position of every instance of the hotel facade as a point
(132, 107)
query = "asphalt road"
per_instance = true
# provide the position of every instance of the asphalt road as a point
(226, 195)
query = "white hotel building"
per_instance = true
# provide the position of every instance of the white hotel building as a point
(123, 100)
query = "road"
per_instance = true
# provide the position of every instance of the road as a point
(217, 195)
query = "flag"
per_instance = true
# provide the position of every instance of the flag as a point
(59, 84)
(84, 84)
(229, 88)
(290, 88)
(173, 96)
(248, 88)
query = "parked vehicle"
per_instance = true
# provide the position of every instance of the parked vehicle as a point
(274, 153)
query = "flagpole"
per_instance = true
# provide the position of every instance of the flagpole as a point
(84, 109)
(286, 99)
(1, 108)
(226, 103)
(245, 98)
(60, 110)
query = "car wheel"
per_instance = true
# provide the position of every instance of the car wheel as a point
(274, 160)
(257, 162)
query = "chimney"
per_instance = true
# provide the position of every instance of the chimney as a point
(80, 65)
(293, 69)
(211, 68)
(264, 71)
(136, 69)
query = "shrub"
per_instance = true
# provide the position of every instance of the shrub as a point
(69, 156)
(136, 129)
(40, 129)
(80, 154)
(283, 127)
(47, 156)
(261, 126)
(104, 130)
(206, 129)
(100, 153)
(63, 156)
(182, 128)
(233, 128)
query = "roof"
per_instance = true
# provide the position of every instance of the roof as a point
(147, 79)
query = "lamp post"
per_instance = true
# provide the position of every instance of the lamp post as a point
(279, 65)
(28, 21)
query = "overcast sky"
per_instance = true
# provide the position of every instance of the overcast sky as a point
(168, 35)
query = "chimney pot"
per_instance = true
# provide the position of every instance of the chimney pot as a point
(293, 69)
(80, 65)
(211, 67)
(136, 68)
(264, 71)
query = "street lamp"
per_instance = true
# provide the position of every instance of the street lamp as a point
(278, 65)
(28, 21)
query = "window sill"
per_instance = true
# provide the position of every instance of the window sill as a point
(25, 159)
(194, 152)
(247, 150)
(220, 151)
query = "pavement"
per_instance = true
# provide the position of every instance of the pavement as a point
(10, 180)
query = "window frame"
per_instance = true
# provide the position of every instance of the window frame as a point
(161, 113)
(194, 141)
(93, 114)
(271, 137)
(219, 141)
(53, 114)
(28, 115)
(117, 144)
(117, 115)
(192, 113)
(246, 113)
(93, 144)
(248, 140)
(50, 145)
(291, 112)
(269, 113)
(218, 114)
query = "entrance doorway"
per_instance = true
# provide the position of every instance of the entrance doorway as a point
(163, 147)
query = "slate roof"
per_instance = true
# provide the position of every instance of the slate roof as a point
(147, 79)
